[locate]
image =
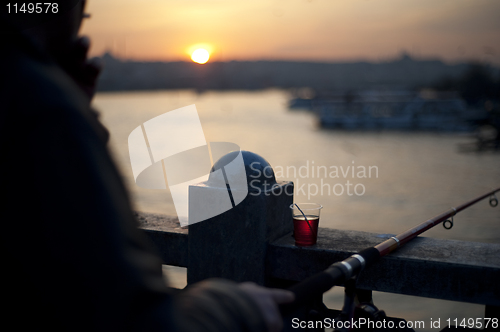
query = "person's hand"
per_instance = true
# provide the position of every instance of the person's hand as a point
(83, 70)
(268, 299)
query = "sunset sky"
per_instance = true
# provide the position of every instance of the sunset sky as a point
(318, 30)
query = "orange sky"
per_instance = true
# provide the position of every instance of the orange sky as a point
(324, 30)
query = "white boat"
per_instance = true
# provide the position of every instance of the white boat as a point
(397, 112)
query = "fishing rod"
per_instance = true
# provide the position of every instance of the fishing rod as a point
(352, 266)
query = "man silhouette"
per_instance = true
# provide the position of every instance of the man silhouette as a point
(73, 257)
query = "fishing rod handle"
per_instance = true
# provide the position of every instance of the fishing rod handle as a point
(335, 274)
(310, 288)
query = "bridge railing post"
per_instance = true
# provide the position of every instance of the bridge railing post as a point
(233, 245)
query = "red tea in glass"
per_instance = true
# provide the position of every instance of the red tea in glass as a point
(305, 223)
(305, 233)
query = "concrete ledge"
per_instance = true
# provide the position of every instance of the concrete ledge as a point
(426, 267)
(167, 236)
(442, 269)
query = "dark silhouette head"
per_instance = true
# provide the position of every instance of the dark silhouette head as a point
(55, 28)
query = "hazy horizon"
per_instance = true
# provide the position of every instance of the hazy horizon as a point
(298, 30)
(395, 57)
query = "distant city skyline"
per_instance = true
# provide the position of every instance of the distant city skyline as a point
(309, 30)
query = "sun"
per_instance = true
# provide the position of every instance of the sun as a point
(200, 56)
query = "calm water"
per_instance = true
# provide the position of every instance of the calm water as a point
(399, 180)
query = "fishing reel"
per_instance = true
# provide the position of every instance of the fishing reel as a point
(359, 306)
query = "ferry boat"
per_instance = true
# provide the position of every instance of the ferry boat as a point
(400, 111)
